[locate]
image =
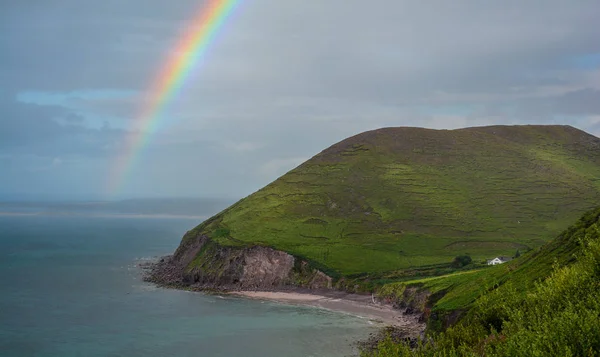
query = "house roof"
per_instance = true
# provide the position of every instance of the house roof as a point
(501, 258)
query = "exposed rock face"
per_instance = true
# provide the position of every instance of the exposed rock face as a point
(266, 267)
(320, 281)
(200, 263)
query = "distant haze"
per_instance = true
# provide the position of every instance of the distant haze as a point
(282, 81)
(198, 208)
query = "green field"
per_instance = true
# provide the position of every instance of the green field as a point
(402, 198)
(545, 303)
(459, 290)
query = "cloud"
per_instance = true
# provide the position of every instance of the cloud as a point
(282, 81)
(73, 118)
(580, 102)
(46, 165)
(278, 167)
(50, 131)
(244, 146)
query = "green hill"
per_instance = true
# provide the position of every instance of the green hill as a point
(546, 303)
(454, 294)
(399, 198)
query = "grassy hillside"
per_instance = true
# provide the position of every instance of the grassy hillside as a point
(458, 292)
(398, 198)
(545, 304)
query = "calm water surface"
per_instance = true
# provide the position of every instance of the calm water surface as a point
(69, 287)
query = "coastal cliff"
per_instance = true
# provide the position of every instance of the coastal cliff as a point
(200, 263)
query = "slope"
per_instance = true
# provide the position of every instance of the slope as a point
(545, 304)
(396, 198)
(455, 293)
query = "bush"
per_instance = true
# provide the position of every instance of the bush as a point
(461, 261)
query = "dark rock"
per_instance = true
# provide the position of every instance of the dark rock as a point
(202, 264)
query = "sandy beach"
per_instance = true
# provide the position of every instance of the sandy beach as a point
(353, 304)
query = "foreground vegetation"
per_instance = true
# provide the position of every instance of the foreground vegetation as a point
(399, 199)
(523, 313)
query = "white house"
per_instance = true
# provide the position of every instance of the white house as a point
(498, 260)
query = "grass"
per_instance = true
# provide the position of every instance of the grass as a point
(544, 305)
(458, 291)
(402, 198)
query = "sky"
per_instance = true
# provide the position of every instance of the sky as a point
(282, 81)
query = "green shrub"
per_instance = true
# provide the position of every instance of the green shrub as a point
(461, 261)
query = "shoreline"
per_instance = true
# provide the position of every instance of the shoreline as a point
(362, 306)
(388, 320)
(162, 273)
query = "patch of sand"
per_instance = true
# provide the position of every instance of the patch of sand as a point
(357, 305)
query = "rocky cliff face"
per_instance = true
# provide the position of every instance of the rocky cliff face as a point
(202, 264)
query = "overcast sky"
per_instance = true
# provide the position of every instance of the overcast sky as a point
(282, 81)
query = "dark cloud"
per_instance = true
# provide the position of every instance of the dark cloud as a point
(70, 45)
(73, 118)
(580, 102)
(46, 130)
(282, 80)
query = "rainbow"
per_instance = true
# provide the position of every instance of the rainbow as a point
(171, 78)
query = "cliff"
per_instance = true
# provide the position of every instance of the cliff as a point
(202, 264)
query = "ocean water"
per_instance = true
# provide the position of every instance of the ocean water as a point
(70, 287)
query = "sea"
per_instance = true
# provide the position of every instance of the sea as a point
(70, 285)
